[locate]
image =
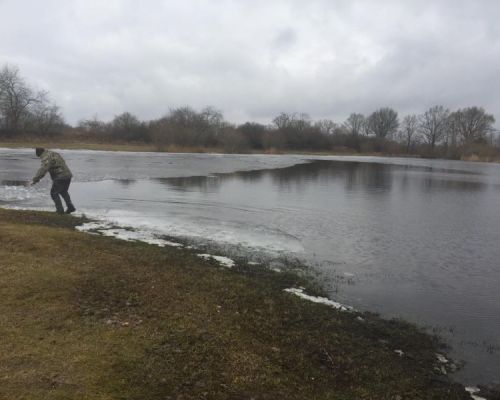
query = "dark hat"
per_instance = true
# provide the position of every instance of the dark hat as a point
(39, 151)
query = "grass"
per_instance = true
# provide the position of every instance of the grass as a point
(71, 144)
(89, 317)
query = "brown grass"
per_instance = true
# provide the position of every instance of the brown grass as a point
(87, 317)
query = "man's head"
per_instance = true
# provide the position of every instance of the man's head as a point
(39, 151)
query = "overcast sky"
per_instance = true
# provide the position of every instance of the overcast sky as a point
(253, 59)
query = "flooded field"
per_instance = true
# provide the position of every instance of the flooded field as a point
(416, 239)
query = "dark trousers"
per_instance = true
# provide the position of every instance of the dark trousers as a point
(60, 188)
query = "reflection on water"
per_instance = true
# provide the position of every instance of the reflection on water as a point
(416, 239)
(419, 243)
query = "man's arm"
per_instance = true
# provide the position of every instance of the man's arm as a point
(42, 171)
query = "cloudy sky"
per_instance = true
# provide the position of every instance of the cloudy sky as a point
(253, 59)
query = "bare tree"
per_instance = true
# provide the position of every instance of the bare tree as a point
(496, 139)
(433, 124)
(326, 126)
(254, 134)
(283, 120)
(46, 119)
(472, 124)
(409, 129)
(295, 121)
(128, 127)
(93, 126)
(383, 123)
(15, 98)
(355, 124)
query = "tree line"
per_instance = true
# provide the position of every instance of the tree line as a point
(437, 132)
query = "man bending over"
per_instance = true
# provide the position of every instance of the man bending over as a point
(53, 163)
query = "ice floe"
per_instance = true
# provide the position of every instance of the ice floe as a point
(18, 193)
(316, 299)
(107, 229)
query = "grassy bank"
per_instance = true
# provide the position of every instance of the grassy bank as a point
(88, 317)
(69, 144)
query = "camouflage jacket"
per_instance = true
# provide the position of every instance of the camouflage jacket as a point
(53, 163)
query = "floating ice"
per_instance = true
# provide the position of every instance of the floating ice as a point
(225, 261)
(472, 391)
(17, 193)
(315, 299)
(106, 229)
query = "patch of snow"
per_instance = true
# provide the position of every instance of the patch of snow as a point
(472, 391)
(400, 353)
(225, 261)
(349, 275)
(316, 299)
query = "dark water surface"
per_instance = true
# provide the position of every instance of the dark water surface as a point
(416, 239)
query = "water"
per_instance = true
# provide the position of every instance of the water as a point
(416, 239)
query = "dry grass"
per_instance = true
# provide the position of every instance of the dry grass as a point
(87, 317)
(111, 146)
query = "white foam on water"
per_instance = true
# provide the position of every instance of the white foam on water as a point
(225, 261)
(316, 299)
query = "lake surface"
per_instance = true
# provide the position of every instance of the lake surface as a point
(409, 238)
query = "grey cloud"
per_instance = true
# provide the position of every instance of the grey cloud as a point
(253, 59)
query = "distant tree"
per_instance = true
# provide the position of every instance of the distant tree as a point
(16, 98)
(409, 129)
(184, 126)
(294, 129)
(93, 126)
(496, 139)
(254, 134)
(45, 118)
(283, 120)
(472, 124)
(433, 124)
(383, 123)
(233, 140)
(213, 117)
(128, 127)
(326, 126)
(355, 124)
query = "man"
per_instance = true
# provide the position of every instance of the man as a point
(61, 176)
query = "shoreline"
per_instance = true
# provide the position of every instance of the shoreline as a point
(392, 357)
(143, 147)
